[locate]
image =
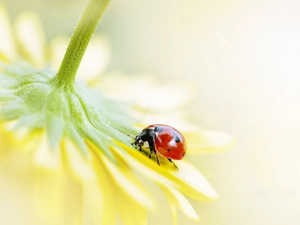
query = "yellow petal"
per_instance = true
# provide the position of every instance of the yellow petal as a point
(176, 119)
(131, 212)
(47, 158)
(31, 38)
(127, 182)
(79, 164)
(177, 199)
(7, 46)
(207, 141)
(163, 97)
(100, 196)
(172, 202)
(73, 200)
(98, 208)
(103, 199)
(48, 195)
(192, 182)
(174, 211)
(21, 137)
(5, 150)
(122, 87)
(187, 178)
(143, 165)
(58, 197)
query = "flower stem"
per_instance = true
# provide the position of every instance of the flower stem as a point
(79, 42)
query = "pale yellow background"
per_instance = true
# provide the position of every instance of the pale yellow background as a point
(244, 59)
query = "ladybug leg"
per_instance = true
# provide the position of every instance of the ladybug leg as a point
(170, 160)
(135, 145)
(140, 148)
(157, 158)
(153, 150)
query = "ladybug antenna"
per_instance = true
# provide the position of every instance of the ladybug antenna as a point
(130, 136)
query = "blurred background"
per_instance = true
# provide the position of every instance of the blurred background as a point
(243, 58)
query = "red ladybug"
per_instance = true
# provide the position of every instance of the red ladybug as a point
(165, 140)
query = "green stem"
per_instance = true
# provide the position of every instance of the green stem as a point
(79, 42)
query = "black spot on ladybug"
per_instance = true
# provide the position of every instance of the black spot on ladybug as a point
(176, 138)
(168, 149)
(158, 129)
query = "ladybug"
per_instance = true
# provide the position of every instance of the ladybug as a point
(164, 139)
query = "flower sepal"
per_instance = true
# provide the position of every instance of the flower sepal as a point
(77, 113)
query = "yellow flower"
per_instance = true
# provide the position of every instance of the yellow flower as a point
(73, 144)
